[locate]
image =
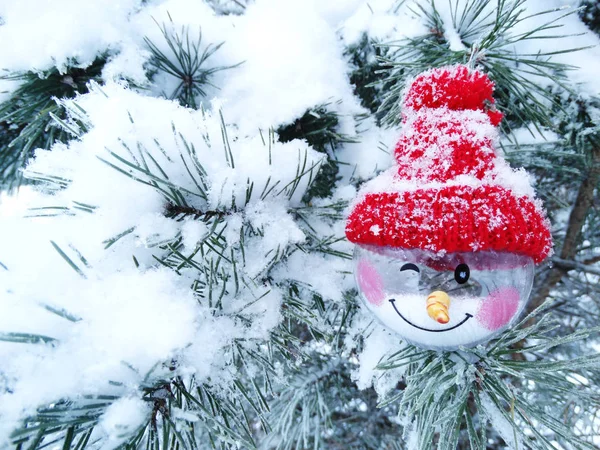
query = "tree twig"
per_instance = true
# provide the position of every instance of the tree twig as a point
(172, 211)
(583, 202)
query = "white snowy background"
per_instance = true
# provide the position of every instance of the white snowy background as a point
(288, 57)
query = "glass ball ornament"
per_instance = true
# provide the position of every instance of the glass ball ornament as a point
(443, 301)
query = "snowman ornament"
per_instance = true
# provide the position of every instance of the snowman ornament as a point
(447, 239)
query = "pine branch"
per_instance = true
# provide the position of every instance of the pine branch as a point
(579, 212)
(185, 413)
(367, 76)
(226, 7)
(27, 116)
(180, 212)
(592, 260)
(224, 412)
(575, 265)
(319, 408)
(64, 423)
(590, 14)
(449, 395)
(319, 127)
(486, 40)
(186, 61)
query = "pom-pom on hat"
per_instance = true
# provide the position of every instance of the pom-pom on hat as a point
(450, 191)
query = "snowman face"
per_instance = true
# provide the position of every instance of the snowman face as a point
(442, 302)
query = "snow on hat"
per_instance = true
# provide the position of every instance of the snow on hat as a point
(450, 191)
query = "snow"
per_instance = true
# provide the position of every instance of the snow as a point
(441, 147)
(525, 136)
(381, 20)
(585, 62)
(377, 345)
(193, 232)
(331, 284)
(365, 158)
(498, 419)
(289, 45)
(451, 34)
(125, 307)
(130, 314)
(60, 31)
(180, 17)
(152, 310)
(6, 87)
(121, 419)
(128, 64)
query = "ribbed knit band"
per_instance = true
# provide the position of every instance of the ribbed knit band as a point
(452, 219)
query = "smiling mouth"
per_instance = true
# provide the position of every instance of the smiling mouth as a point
(467, 317)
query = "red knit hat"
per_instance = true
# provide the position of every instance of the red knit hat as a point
(449, 191)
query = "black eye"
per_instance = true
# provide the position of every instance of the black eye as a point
(409, 266)
(462, 273)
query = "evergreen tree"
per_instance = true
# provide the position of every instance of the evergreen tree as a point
(180, 278)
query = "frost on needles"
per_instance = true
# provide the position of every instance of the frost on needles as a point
(173, 273)
(170, 226)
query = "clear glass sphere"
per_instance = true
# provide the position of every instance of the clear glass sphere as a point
(443, 301)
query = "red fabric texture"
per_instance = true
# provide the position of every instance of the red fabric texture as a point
(456, 88)
(448, 131)
(459, 151)
(451, 219)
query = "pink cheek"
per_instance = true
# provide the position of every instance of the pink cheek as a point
(498, 308)
(370, 283)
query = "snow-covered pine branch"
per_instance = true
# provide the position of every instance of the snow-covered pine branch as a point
(178, 278)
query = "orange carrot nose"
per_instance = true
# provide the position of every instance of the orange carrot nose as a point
(438, 303)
